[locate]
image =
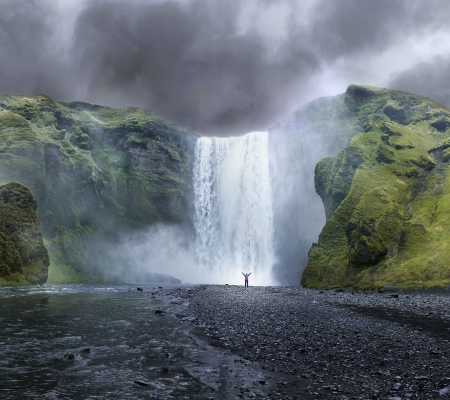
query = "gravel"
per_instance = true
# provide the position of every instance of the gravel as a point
(331, 344)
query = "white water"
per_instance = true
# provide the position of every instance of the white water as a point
(233, 209)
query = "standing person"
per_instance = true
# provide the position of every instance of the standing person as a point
(246, 278)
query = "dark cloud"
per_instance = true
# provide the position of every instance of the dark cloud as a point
(431, 79)
(24, 31)
(195, 62)
(188, 62)
(343, 28)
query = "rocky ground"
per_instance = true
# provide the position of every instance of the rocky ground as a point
(331, 344)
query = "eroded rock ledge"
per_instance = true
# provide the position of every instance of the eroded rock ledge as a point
(23, 256)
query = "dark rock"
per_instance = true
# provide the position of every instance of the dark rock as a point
(139, 289)
(441, 125)
(141, 383)
(159, 312)
(394, 295)
(23, 256)
(385, 139)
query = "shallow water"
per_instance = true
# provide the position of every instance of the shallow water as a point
(94, 341)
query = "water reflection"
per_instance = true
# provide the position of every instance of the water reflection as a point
(95, 341)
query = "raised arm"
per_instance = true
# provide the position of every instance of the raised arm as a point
(242, 273)
(249, 274)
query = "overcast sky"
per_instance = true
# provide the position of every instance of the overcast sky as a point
(222, 67)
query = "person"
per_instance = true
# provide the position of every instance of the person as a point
(246, 278)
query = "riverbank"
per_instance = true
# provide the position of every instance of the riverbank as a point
(331, 344)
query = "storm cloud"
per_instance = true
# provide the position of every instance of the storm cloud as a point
(430, 78)
(221, 68)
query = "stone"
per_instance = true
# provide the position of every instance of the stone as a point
(141, 383)
(23, 256)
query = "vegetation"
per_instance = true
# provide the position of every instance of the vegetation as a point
(93, 171)
(386, 197)
(23, 256)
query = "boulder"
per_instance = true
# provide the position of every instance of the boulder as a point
(23, 256)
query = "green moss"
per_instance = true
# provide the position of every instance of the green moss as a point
(92, 168)
(63, 273)
(386, 198)
(23, 256)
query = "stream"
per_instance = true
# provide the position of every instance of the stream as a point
(90, 341)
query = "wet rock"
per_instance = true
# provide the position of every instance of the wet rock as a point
(445, 392)
(159, 312)
(23, 257)
(69, 356)
(141, 383)
(359, 345)
(139, 289)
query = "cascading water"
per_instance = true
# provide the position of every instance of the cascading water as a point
(233, 208)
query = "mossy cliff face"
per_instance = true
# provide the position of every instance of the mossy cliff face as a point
(386, 197)
(95, 172)
(23, 256)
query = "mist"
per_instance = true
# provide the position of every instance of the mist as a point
(162, 248)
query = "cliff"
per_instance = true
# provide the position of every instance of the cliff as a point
(23, 256)
(95, 172)
(319, 129)
(386, 197)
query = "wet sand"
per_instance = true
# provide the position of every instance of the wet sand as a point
(328, 344)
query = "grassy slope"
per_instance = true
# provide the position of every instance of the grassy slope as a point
(23, 257)
(386, 197)
(92, 170)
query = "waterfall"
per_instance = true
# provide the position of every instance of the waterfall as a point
(233, 208)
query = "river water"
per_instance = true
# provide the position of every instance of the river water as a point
(92, 341)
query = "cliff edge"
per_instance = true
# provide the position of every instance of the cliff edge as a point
(386, 197)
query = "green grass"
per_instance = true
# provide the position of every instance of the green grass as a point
(386, 198)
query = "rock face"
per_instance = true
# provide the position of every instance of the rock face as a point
(319, 129)
(95, 172)
(386, 197)
(23, 256)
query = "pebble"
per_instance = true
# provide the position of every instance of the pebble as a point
(344, 344)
